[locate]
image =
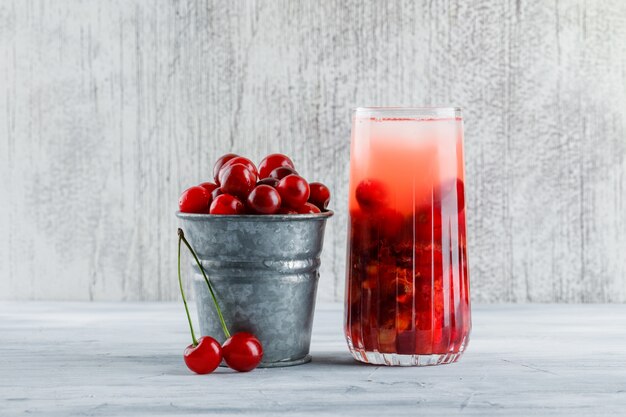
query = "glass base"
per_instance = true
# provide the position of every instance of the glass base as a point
(394, 359)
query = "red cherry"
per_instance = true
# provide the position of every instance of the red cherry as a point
(273, 161)
(242, 352)
(287, 210)
(272, 182)
(210, 187)
(243, 161)
(390, 223)
(226, 204)
(320, 195)
(293, 190)
(281, 172)
(194, 200)
(205, 357)
(215, 193)
(371, 193)
(237, 180)
(308, 208)
(460, 190)
(451, 188)
(403, 291)
(264, 200)
(427, 223)
(220, 163)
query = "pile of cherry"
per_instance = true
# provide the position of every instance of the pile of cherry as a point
(240, 188)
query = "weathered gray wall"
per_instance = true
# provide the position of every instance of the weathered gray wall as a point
(109, 109)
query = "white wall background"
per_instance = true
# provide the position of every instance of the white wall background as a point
(109, 109)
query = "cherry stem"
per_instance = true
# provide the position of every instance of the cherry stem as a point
(182, 293)
(208, 283)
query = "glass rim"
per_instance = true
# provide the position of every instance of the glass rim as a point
(417, 112)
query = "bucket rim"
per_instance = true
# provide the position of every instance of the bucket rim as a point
(255, 217)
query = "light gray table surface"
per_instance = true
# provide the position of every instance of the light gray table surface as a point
(113, 359)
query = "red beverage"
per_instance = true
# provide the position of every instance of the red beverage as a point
(407, 288)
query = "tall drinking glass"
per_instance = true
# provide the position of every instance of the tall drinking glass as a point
(407, 286)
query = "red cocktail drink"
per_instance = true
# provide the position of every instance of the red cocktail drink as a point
(407, 289)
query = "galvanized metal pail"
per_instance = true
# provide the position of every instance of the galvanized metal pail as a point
(264, 270)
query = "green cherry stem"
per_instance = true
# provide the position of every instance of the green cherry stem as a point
(208, 283)
(182, 292)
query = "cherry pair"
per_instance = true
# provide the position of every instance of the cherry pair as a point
(242, 351)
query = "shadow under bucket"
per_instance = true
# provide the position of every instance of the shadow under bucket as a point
(264, 270)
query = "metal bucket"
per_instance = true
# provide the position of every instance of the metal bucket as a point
(264, 270)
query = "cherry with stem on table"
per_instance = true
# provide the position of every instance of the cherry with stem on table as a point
(242, 351)
(202, 356)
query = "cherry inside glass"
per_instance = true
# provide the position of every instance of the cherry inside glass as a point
(407, 284)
